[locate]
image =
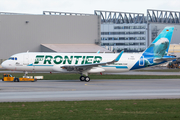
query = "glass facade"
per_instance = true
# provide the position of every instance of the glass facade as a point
(128, 37)
(134, 32)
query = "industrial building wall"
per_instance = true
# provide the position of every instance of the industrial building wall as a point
(20, 33)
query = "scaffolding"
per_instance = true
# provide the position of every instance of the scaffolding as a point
(120, 17)
(162, 16)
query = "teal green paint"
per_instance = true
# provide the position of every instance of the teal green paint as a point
(89, 60)
(97, 59)
(38, 58)
(48, 59)
(60, 59)
(66, 59)
(83, 59)
(77, 59)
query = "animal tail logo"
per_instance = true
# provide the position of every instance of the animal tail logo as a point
(160, 46)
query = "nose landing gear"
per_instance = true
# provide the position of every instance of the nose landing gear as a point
(25, 74)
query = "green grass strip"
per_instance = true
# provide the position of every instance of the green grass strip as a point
(162, 109)
(159, 70)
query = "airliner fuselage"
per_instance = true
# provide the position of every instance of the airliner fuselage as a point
(52, 62)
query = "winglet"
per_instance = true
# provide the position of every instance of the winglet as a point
(98, 51)
(118, 57)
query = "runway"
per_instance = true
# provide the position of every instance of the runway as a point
(123, 73)
(70, 90)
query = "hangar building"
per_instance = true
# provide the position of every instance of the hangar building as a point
(77, 32)
(45, 33)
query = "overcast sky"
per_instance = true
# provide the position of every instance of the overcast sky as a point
(86, 6)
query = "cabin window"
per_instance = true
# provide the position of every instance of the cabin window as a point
(10, 58)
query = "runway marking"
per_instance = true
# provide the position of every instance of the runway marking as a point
(90, 85)
(112, 81)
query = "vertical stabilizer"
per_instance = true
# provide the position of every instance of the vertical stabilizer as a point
(160, 46)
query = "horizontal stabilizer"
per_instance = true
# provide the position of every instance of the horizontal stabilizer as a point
(164, 59)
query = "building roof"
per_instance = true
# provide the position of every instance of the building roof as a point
(174, 48)
(75, 48)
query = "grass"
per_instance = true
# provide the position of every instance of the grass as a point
(67, 76)
(163, 109)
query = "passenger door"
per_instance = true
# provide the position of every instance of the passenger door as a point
(25, 59)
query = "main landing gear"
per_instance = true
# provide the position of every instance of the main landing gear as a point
(84, 78)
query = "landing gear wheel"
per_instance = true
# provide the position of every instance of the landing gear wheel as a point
(82, 78)
(87, 79)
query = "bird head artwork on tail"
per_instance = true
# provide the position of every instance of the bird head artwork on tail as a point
(159, 47)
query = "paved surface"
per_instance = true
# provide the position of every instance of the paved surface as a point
(55, 90)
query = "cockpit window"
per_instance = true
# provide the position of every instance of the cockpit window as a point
(12, 58)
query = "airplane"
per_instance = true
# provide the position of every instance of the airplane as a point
(85, 63)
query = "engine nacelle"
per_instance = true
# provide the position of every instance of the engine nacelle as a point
(96, 70)
(58, 68)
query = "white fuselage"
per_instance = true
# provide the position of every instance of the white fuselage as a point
(52, 62)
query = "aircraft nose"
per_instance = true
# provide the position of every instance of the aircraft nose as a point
(4, 64)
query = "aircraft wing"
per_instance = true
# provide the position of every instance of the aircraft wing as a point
(89, 66)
